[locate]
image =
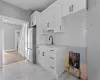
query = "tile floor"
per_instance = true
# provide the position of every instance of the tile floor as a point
(24, 70)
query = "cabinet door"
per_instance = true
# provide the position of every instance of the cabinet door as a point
(70, 6)
(57, 17)
(41, 57)
(43, 22)
(30, 56)
(32, 20)
(50, 18)
(46, 61)
(66, 7)
(78, 5)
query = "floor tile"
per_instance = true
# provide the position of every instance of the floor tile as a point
(24, 70)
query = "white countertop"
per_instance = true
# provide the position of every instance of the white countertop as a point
(45, 45)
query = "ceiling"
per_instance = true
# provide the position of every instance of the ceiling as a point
(31, 4)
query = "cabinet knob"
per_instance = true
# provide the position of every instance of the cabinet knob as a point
(60, 27)
(32, 23)
(69, 8)
(42, 53)
(72, 7)
(48, 24)
(52, 67)
(51, 57)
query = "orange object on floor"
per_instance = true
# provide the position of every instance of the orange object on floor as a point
(67, 63)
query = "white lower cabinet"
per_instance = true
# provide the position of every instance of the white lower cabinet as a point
(53, 59)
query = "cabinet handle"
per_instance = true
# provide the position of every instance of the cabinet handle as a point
(72, 7)
(60, 27)
(69, 8)
(51, 50)
(48, 24)
(52, 67)
(32, 23)
(43, 54)
(51, 57)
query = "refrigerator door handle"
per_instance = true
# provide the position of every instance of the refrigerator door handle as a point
(29, 49)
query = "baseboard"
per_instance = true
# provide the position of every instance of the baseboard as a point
(11, 50)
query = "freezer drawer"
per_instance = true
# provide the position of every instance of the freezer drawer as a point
(30, 55)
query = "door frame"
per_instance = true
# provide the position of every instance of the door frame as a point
(5, 19)
(16, 31)
(2, 30)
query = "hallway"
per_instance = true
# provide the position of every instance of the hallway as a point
(12, 57)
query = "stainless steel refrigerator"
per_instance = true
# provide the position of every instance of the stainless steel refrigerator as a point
(32, 44)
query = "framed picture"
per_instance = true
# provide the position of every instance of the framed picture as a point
(74, 60)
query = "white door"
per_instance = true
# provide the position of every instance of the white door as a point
(1, 48)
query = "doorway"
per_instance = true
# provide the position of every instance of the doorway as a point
(19, 49)
(11, 43)
(17, 36)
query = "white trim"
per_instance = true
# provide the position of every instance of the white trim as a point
(2, 30)
(13, 19)
(15, 38)
(11, 50)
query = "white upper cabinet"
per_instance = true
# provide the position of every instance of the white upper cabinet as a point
(49, 19)
(70, 6)
(66, 7)
(43, 21)
(34, 18)
(53, 16)
(79, 5)
(57, 17)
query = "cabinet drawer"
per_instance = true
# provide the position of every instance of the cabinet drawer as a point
(52, 67)
(52, 58)
(52, 50)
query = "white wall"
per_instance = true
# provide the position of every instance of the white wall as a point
(9, 35)
(10, 10)
(1, 47)
(74, 35)
(93, 39)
